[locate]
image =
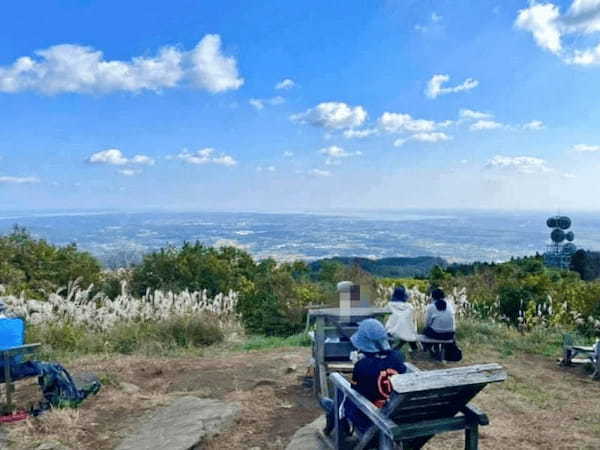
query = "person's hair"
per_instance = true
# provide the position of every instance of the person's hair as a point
(440, 305)
(439, 296)
(400, 294)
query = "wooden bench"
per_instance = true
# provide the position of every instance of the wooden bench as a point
(11, 360)
(591, 355)
(423, 404)
(331, 345)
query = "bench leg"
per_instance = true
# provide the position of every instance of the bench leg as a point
(385, 442)
(8, 385)
(339, 430)
(472, 437)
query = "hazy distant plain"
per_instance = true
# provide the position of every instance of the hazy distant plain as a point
(454, 235)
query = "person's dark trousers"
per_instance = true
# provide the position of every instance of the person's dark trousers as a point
(329, 405)
(397, 345)
(431, 333)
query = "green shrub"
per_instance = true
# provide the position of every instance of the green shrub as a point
(36, 268)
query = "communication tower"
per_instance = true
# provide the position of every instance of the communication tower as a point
(561, 247)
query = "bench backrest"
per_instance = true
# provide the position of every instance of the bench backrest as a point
(12, 334)
(436, 394)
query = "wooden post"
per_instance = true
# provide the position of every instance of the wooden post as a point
(321, 372)
(7, 381)
(596, 374)
(472, 437)
(338, 430)
(567, 350)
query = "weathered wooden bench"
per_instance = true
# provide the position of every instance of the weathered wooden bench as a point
(571, 352)
(331, 341)
(12, 359)
(423, 404)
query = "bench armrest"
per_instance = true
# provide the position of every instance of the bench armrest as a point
(371, 411)
(20, 350)
(411, 367)
(474, 414)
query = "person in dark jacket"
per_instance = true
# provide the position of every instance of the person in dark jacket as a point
(371, 374)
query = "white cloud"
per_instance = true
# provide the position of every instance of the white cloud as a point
(474, 115)
(359, 134)
(205, 156)
(332, 115)
(335, 154)
(19, 180)
(211, 69)
(143, 160)
(431, 137)
(534, 125)
(435, 86)
(288, 154)
(542, 21)
(115, 157)
(259, 103)
(320, 173)
(423, 137)
(112, 156)
(395, 123)
(548, 28)
(268, 169)
(485, 125)
(285, 84)
(80, 69)
(584, 148)
(518, 164)
(129, 172)
(225, 160)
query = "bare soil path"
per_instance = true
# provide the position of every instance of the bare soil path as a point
(540, 406)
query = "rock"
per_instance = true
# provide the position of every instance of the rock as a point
(265, 382)
(51, 445)
(308, 437)
(129, 388)
(182, 424)
(291, 368)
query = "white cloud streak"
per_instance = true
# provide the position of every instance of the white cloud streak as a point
(69, 68)
(19, 180)
(332, 115)
(435, 86)
(260, 103)
(584, 148)
(285, 84)
(518, 164)
(335, 154)
(115, 157)
(205, 156)
(485, 125)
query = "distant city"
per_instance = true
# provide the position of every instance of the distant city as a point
(118, 238)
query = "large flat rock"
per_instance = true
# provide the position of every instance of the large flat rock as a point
(181, 425)
(307, 437)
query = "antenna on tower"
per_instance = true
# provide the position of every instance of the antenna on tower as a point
(561, 247)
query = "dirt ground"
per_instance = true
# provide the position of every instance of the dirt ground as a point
(540, 406)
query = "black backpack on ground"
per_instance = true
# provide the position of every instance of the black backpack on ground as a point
(452, 352)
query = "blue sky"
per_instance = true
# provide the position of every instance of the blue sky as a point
(310, 105)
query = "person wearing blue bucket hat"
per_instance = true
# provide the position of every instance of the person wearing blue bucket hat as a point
(371, 374)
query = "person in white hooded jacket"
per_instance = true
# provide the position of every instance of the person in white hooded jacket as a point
(401, 323)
